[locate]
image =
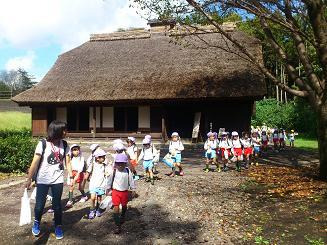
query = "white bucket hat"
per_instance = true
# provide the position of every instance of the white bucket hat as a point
(174, 134)
(99, 153)
(146, 141)
(94, 146)
(234, 133)
(131, 139)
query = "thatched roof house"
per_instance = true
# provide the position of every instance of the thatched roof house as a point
(137, 82)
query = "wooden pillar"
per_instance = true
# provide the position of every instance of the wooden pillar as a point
(94, 121)
(163, 126)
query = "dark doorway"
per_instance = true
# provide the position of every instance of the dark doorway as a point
(78, 118)
(180, 119)
(84, 117)
(126, 119)
(51, 114)
(155, 119)
(72, 119)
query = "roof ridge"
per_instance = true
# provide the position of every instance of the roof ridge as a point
(121, 35)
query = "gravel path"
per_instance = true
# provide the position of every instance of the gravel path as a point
(196, 208)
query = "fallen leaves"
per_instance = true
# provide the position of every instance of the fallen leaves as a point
(289, 181)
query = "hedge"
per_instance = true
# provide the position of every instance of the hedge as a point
(16, 150)
(296, 115)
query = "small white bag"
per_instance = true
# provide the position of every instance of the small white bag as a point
(25, 210)
(106, 203)
(33, 195)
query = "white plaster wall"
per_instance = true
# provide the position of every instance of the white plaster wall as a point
(108, 117)
(144, 117)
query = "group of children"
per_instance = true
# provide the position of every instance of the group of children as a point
(225, 149)
(221, 148)
(113, 174)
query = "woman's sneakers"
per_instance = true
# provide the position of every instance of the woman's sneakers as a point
(59, 233)
(36, 228)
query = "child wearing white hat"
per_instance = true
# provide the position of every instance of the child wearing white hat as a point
(147, 155)
(225, 147)
(132, 155)
(78, 165)
(175, 149)
(237, 150)
(210, 147)
(99, 172)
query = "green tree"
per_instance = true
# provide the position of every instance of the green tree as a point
(304, 40)
(26, 81)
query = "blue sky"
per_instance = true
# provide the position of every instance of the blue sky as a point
(33, 33)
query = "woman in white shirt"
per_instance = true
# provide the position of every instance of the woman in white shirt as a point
(48, 164)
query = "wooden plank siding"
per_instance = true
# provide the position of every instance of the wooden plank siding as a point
(39, 121)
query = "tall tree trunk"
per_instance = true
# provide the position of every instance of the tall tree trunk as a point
(322, 139)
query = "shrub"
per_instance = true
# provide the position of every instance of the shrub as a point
(16, 150)
(296, 115)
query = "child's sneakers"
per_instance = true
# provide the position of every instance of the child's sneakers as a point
(50, 210)
(98, 213)
(181, 173)
(83, 199)
(206, 170)
(136, 177)
(69, 204)
(256, 164)
(36, 228)
(225, 169)
(92, 214)
(59, 233)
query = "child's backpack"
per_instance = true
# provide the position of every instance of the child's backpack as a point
(44, 145)
(113, 177)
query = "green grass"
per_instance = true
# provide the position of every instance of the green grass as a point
(14, 120)
(306, 143)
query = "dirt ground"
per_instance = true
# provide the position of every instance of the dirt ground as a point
(211, 208)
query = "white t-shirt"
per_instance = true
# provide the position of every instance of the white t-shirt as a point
(121, 180)
(148, 153)
(255, 141)
(246, 142)
(49, 171)
(225, 144)
(264, 137)
(99, 173)
(132, 152)
(78, 164)
(176, 147)
(236, 143)
(210, 144)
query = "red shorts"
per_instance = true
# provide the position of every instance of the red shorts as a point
(119, 197)
(238, 152)
(80, 177)
(223, 152)
(265, 142)
(248, 151)
(281, 140)
(275, 140)
(133, 163)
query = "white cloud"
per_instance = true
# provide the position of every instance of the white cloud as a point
(25, 62)
(68, 23)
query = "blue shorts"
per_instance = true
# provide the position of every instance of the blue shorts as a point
(210, 155)
(257, 149)
(148, 164)
(177, 158)
(98, 191)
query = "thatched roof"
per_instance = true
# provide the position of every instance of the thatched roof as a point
(143, 66)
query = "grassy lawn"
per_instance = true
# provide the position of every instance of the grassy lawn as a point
(306, 143)
(15, 120)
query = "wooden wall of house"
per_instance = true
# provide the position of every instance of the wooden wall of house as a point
(39, 121)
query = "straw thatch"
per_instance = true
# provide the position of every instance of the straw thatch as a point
(143, 67)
